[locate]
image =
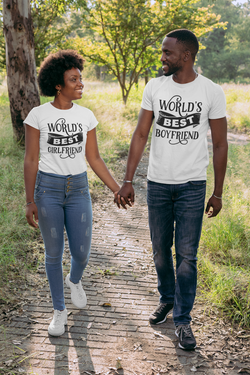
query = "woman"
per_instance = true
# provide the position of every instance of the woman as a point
(56, 187)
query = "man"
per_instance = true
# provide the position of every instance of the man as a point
(183, 105)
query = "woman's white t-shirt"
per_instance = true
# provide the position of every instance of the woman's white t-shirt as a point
(179, 151)
(63, 135)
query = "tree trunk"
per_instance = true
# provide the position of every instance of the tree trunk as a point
(146, 76)
(20, 62)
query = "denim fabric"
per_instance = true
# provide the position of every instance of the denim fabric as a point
(175, 213)
(64, 202)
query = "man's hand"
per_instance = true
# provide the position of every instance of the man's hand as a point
(214, 205)
(125, 196)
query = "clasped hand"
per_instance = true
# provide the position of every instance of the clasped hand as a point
(125, 196)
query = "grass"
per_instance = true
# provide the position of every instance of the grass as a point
(238, 108)
(224, 261)
(15, 236)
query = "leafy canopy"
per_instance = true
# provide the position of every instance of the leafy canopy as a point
(128, 33)
(227, 53)
(51, 25)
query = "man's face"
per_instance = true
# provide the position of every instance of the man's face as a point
(171, 58)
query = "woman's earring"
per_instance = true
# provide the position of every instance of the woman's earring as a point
(58, 92)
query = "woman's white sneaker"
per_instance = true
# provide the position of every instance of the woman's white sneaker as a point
(78, 296)
(57, 325)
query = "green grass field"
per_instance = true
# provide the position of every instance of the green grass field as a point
(224, 260)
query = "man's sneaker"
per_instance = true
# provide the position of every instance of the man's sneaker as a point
(186, 337)
(57, 325)
(78, 296)
(161, 313)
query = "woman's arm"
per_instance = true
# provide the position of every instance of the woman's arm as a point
(31, 159)
(96, 162)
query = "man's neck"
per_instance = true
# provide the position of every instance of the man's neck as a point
(185, 77)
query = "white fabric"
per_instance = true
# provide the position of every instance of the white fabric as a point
(179, 151)
(63, 135)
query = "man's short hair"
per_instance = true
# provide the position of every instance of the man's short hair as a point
(187, 38)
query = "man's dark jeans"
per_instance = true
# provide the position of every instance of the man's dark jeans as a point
(176, 211)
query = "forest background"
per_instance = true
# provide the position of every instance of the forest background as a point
(225, 58)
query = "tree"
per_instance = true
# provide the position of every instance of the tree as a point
(20, 62)
(2, 41)
(51, 25)
(129, 33)
(227, 53)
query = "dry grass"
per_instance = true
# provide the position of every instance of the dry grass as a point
(238, 106)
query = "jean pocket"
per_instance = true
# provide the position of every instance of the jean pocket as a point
(85, 193)
(39, 191)
(198, 183)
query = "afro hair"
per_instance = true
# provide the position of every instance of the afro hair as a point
(53, 68)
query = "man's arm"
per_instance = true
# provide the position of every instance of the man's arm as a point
(220, 147)
(137, 146)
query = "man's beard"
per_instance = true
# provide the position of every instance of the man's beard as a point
(171, 69)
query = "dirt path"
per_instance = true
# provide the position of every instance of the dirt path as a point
(112, 334)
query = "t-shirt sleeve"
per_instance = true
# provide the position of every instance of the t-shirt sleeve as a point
(32, 119)
(93, 121)
(147, 102)
(218, 107)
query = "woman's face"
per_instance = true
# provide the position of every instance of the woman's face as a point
(73, 86)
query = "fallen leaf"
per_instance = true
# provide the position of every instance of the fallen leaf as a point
(243, 370)
(210, 341)
(9, 363)
(137, 345)
(16, 342)
(158, 334)
(89, 325)
(106, 304)
(194, 369)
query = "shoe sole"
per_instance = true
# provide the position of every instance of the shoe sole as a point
(162, 321)
(67, 281)
(56, 334)
(60, 333)
(182, 347)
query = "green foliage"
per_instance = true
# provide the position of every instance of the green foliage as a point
(226, 288)
(15, 237)
(224, 263)
(227, 54)
(51, 26)
(129, 33)
(238, 109)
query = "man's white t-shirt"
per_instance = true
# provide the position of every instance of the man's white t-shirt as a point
(179, 150)
(63, 135)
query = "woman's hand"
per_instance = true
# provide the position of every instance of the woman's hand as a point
(32, 215)
(120, 201)
(125, 196)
